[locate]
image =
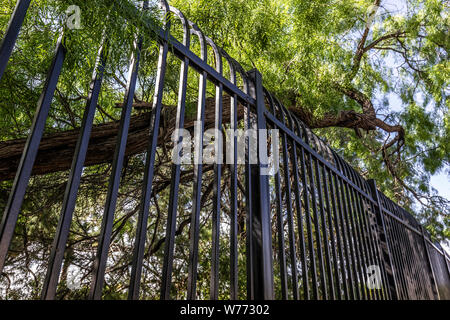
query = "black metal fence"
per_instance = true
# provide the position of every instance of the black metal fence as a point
(315, 229)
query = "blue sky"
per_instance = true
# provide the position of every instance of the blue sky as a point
(441, 182)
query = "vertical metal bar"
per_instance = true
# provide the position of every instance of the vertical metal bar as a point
(25, 167)
(416, 260)
(298, 204)
(406, 252)
(290, 220)
(171, 225)
(324, 232)
(70, 196)
(352, 240)
(409, 254)
(234, 194)
(312, 257)
(343, 263)
(397, 255)
(367, 240)
(280, 224)
(215, 254)
(359, 252)
(345, 233)
(179, 124)
(403, 266)
(280, 231)
(373, 245)
(396, 251)
(12, 32)
(419, 270)
(430, 263)
(249, 186)
(405, 259)
(114, 180)
(423, 268)
(354, 247)
(365, 257)
(446, 262)
(141, 233)
(372, 225)
(383, 235)
(312, 185)
(420, 264)
(363, 250)
(198, 172)
(262, 233)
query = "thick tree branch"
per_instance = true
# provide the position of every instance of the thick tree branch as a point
(360, 48)
(56, 150)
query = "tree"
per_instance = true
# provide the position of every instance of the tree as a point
(338, 65)
(323, 59)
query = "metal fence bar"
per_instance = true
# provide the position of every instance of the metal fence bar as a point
(114, 181)
(403, 265)
(12, 32)
(383, 235)
(338, 235)
(357, 241)
(290, 219)
(280, 224)
(307, 211)
(198, 174)
(421, 263)
(354, 244)
(320, 256)
(404, 256)
(365, 241)
(234, 190)
(358, 224)
(353, 277)
(447, 263)
(378, 245)
(148, 179)
(359, 252)
(250, 185)
(300, 225)
(373, 258)
(334, 236)
(363, 250)
(262, 243)
(417, 271)
(70, 196)
(309, 149)
(430, 264)
(330, 289)
(11, 213)
(397, 250)
(218, 145)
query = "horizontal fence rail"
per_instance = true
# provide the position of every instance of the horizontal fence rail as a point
(313, 229)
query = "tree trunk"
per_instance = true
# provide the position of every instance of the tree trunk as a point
(57, 149)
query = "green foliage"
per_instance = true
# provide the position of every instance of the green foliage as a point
(302, 49)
